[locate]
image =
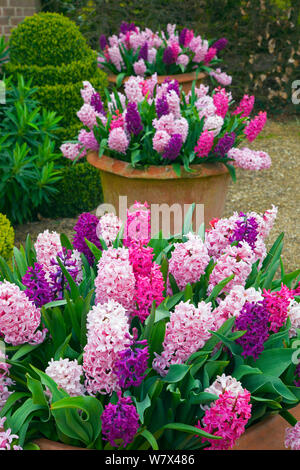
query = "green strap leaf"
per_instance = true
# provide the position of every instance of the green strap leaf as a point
(190, 430)
(150, 438)
(218, 288)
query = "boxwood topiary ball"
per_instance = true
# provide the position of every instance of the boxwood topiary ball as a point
(7, 237)
(47, 39)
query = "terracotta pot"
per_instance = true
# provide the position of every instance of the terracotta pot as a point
(265, 435)
(207, 185)
(268, 434)
(45, 444)
(184, 79)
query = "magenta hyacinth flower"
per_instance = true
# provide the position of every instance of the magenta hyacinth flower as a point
(133, 119)
(297, 375)
(58, 278)
(97, 104)
(168, 56)
(120, 422)
(173, 147)
(245, 230)
(220, 44)
(254, 318)
(38, 288)
(132, 365)
(172, 85)
(143, 54)
(227, 418)
(185, 37)
(162, 106)
(102, 42)
(126, 27)
(86, 227)
(204, 144)
(224, 144)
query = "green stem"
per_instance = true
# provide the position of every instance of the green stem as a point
(288, 417)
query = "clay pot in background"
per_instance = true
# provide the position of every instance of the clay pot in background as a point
(207, 185)
(184, 79)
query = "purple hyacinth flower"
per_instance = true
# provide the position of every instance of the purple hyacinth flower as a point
(297, 374)
(182, 36)
(86, 227)
(173, 148)
(58, 279)
(143, 54)
(254, 318)
(172, 85)
(97, 104)
(38, 288)
(102, 42)
(225, 144)
(245, 230)
(168, 56)
(120, 422)
(162, 106)
(126, 27)
(132, 365)
(133, 119)
(220, 44)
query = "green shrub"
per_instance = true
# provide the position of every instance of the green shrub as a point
(66, 100)
(50, 50)
(79, 191)
(68, 133)
(22, 120)
(29, 168)
(7, 238)
(73, 72)
(3, 50)
(47, 39)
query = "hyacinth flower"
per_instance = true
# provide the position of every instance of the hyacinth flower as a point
(38, 289)
(119, 366)
(277, 304)
(246, 230)
(67, 375)
(120, 422)
(129, 275)
(5, 381)
(86, 228)
(97, 104)
(153, 123)
(297, 375)
(137, 226)
(228, 415)
(7, 438)
(254, 319)
(58, 278)
(178, 51)
(132, 363)
(19, 317)
(292, 437)
(133, 119)
(107, 335)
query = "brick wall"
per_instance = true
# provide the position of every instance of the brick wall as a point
(12, 12)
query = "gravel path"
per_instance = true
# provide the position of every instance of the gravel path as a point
(253, 191)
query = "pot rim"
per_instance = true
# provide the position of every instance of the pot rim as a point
(154, 172)
(180, 77)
